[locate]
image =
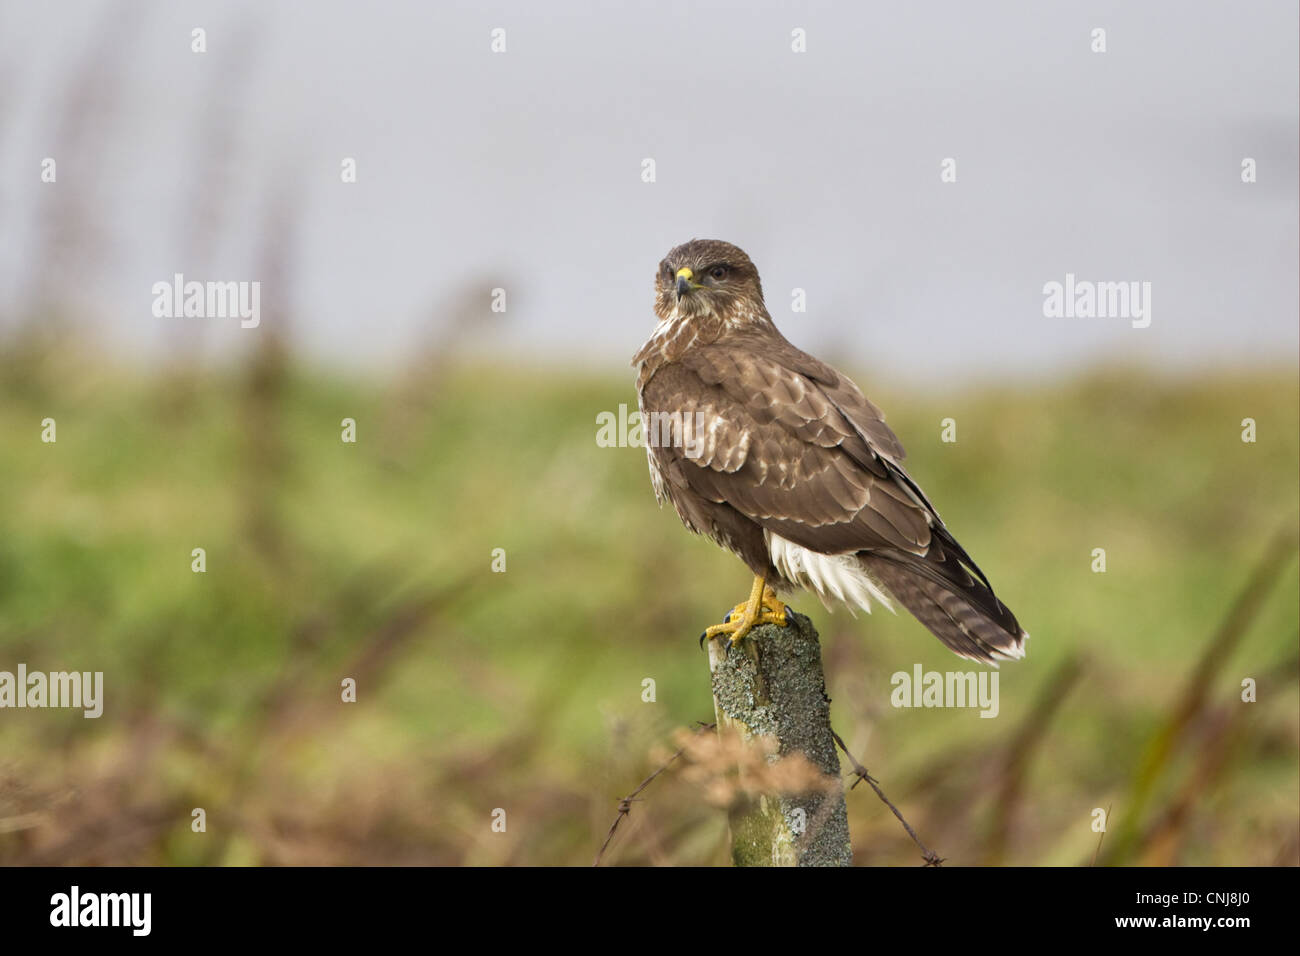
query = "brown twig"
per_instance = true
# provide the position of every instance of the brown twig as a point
(1025, 744)
(1194, 698)
(1101, 837)
(625, 805)
(931, 858)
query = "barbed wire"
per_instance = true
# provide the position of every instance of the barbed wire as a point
(625, 804)
(931, 858)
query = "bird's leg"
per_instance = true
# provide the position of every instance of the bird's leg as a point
(763, 607)
(773, 606)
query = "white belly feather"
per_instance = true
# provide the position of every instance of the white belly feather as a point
(839, 576)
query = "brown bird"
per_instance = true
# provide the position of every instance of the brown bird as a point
(779, 458)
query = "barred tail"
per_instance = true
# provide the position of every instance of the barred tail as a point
(958, 608)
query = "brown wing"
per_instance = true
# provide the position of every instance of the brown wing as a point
(776, 444)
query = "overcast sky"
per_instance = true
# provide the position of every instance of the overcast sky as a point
(524, 169)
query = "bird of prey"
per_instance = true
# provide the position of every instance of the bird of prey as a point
(779, 458)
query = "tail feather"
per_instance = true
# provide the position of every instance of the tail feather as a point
(957, 608)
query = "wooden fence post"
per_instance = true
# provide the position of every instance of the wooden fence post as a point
(770, 689)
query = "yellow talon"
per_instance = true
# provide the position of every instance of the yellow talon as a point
(763, 607)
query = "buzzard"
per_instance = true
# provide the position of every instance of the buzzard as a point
(779, 458)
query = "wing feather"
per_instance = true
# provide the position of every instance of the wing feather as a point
(773, 444)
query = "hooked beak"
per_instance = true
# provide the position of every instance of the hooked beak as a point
(684, 284)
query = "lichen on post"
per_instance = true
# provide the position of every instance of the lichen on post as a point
(770, 691)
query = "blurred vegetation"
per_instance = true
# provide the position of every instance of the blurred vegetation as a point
(522, 690)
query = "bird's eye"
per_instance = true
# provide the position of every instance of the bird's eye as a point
(718, 272)
(666, 270)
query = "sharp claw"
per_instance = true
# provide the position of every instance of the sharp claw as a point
(702, 637)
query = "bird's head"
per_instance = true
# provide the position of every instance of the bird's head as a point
(708, 278)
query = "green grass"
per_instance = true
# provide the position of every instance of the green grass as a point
(522, 690)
